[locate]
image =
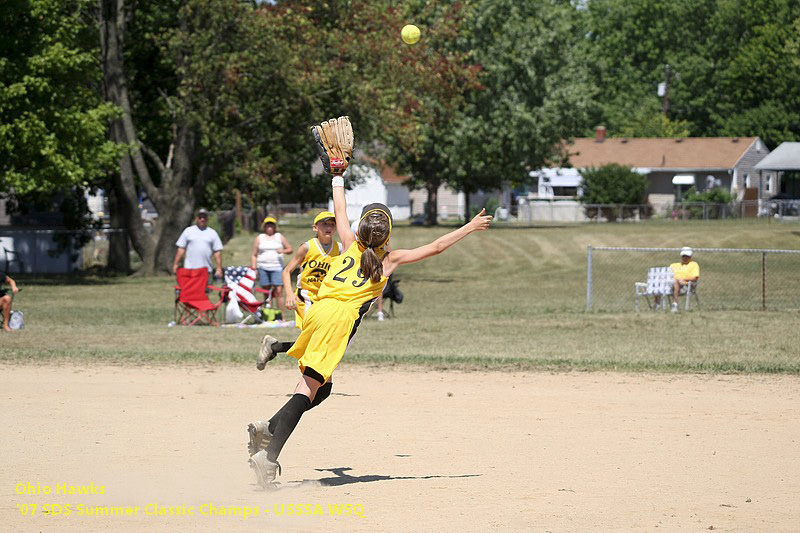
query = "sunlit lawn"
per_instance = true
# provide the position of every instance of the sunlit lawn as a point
(506, 298)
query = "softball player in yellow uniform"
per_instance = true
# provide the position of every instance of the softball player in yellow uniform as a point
(314, 257)
(355, 279)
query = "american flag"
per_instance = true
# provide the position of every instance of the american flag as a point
(241, 280)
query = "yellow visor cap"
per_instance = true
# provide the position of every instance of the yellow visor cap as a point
(323, 216)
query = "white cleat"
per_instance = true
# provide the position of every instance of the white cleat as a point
(266, 471)
(266, 353)
(259, 436)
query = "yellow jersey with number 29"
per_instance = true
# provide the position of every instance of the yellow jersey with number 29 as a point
(345, 282)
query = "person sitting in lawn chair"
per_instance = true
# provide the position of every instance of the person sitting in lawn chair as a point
(687, 272)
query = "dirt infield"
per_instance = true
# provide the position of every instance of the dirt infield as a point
(400, 450)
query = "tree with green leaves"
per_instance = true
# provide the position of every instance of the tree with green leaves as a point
(758, 88)
(52, 120)
(415, 90)
(612, 184)
(534, 92)
(732, 67)
(218, 95)
(53, 144)
(212, 96)
(174, 115)
(530, 91)
(650, 123)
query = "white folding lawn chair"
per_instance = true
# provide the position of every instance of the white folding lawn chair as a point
(659, 285)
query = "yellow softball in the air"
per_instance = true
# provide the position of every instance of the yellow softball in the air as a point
(410, 34)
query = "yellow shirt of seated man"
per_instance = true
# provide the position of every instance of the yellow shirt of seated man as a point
(690, 270)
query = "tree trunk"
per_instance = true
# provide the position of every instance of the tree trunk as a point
(112, 29)
(118, 250)
(178, 196)
(173, 217)
(239, 207)
(466, 206)
(178, 191)
(430, 207)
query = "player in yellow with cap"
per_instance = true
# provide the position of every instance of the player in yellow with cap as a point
(356, 278)
(314, 257)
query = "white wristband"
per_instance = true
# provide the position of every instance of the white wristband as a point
(337, 181)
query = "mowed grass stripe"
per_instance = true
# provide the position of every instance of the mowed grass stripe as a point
(503, 299)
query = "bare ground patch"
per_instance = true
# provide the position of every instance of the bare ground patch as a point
(406, 449)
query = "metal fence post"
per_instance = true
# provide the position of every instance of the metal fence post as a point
(763, 281)
(589, 279)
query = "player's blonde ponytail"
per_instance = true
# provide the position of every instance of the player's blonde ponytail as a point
(373, 232)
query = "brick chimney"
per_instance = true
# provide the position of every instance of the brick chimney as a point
(600, 135)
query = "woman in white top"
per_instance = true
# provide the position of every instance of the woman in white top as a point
(267, 258)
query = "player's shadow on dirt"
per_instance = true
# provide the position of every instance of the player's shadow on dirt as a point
(345, 479)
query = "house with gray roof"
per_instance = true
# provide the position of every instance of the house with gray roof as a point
(784, 161)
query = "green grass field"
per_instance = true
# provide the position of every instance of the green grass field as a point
(509, 298)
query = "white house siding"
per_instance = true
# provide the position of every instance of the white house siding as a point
(449, 203)
(373, 189)
(34, 248)
(397, 198)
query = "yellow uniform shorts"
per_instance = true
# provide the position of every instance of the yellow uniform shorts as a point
(326, 332)
(299, 313)
(303, 304)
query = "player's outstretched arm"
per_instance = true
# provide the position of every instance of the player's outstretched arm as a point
(401, 257)
(340, 210)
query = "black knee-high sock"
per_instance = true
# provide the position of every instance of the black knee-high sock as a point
(280, 347)
(285, 424)
(322, 393)
(274, 420)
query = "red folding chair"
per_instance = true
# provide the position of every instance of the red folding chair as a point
(192, 305)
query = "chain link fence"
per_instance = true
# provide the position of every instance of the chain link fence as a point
(730, 278)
